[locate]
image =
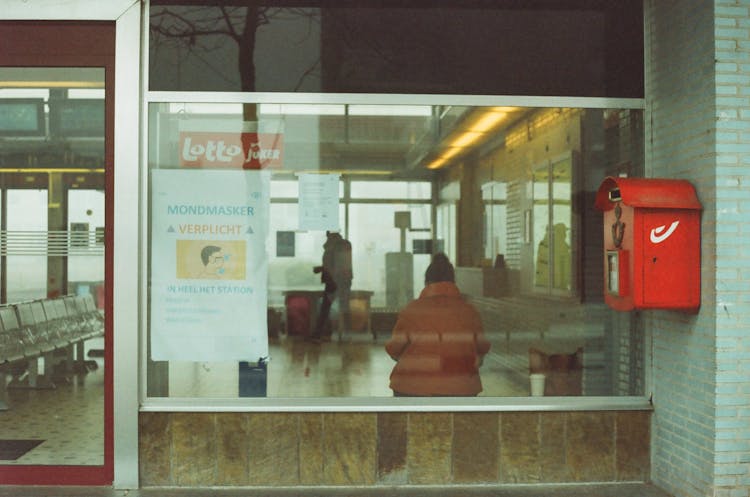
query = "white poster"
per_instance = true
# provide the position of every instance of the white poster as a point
(209, 265)
(319, 202)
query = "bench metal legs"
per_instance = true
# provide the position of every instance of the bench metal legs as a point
(32, 379)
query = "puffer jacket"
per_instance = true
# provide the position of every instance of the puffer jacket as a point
(438, 345)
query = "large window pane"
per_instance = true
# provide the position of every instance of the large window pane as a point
(52, 171)
(500, 190)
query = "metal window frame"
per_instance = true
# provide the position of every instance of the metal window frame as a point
(127, 17)
(333, 404)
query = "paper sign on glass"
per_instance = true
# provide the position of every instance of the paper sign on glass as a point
(209, 265)
(319, 201)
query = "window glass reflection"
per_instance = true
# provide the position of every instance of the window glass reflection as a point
(52, 222)
(552, 225)
(493, 188)
(426, 49)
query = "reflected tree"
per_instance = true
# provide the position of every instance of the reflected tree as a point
(203, 32)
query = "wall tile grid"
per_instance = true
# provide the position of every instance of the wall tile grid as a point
(698, 124)
(345, 449)
(732, 239)
(608, 370)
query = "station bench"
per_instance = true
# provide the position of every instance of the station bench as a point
(52, 329)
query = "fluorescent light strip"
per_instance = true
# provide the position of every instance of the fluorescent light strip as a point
(465, 139)
(476, 131)
(487, 122)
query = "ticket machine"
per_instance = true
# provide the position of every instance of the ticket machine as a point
(652, 243)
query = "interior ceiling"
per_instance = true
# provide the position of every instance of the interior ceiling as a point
(399, 146)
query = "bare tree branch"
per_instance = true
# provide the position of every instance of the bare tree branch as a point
(194, 28)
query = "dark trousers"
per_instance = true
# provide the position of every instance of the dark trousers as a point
(325, 310)
(342, 294)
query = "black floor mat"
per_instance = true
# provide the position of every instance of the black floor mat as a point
(10, 450)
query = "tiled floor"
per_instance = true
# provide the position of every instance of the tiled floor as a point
(356, 366)
(69, 418)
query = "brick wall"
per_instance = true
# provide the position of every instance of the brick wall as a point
(680, 144)
(370, 449)
(698, 117)
(732, 217)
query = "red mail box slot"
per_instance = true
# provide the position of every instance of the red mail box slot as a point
(652, 243)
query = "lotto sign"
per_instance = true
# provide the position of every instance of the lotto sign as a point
(231, 150)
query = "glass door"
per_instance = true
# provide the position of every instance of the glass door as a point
(56, 417)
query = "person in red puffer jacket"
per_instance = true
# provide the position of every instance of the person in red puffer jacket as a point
(437, 342)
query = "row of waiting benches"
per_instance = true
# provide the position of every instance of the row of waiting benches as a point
(48, 329)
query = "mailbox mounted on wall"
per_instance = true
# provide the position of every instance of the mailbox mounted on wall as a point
(651, 243)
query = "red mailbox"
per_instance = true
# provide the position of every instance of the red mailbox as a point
(652, 243)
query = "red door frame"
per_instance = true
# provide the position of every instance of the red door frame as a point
(74, 44)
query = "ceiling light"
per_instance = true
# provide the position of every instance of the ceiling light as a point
(451, 152)
(436, 164)
(487, 122)
(466, 139)
(477, 130)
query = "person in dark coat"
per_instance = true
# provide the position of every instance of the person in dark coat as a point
(336, 276)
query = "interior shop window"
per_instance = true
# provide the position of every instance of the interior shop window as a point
(292, 253)
(241, 213)
(394, 247)
(494, 197)
(552, 222)
(412, 190)
(86, 257)
(446, 222)
(27, 230)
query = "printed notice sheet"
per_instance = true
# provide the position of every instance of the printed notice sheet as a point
(209, 265)
(319, 202)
